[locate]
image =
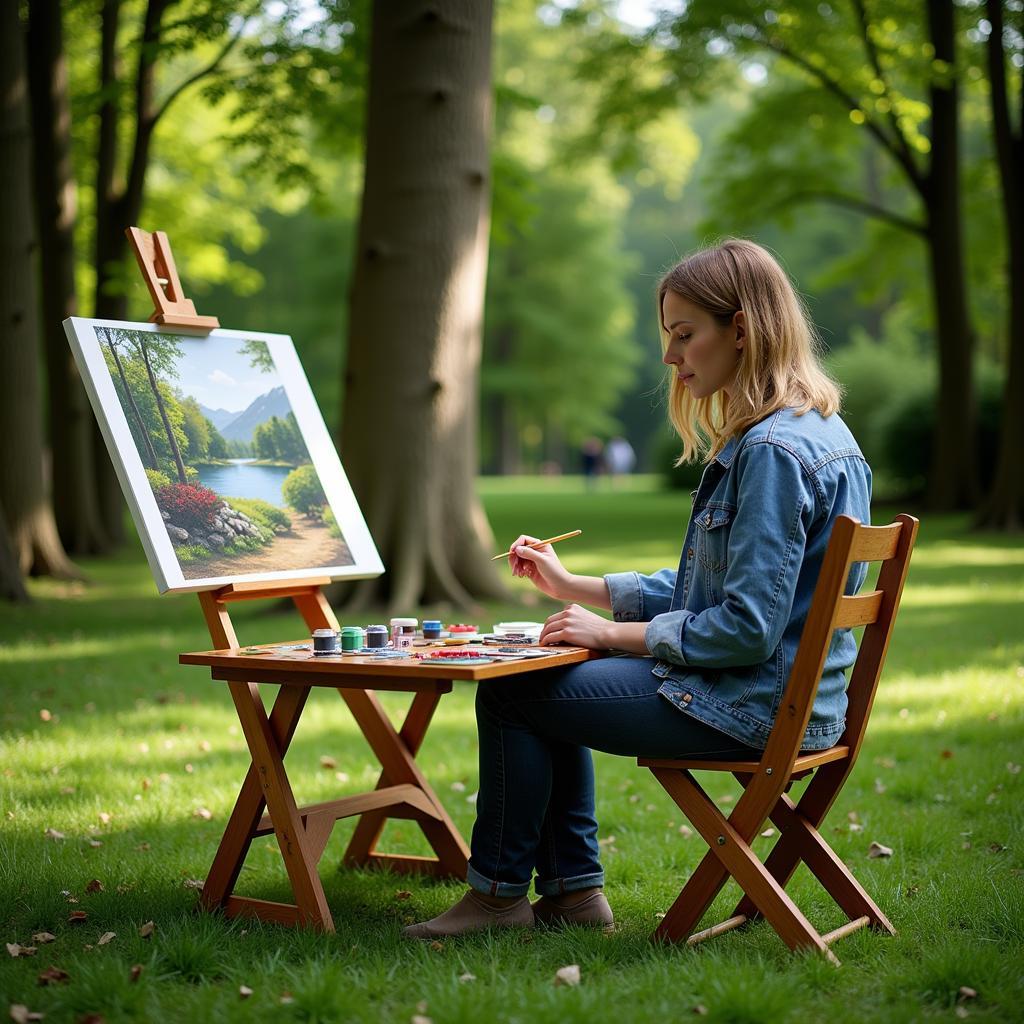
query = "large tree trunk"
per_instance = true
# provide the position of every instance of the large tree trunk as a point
(12, 584)
(29, 516)
(1004, 508)
(953, 476)
(70, 418)
(409, 432)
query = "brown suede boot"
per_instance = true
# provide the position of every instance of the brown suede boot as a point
(592, 911)
(471, 914)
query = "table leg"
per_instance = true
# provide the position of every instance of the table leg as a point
(396, 752)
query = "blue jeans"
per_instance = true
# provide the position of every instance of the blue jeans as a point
(535, 810)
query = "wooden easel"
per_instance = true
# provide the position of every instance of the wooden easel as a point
(302, 833)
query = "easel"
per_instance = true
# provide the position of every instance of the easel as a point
(302, 833)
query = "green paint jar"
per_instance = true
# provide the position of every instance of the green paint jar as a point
(351, 638)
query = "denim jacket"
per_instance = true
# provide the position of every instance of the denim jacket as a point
(724, 627)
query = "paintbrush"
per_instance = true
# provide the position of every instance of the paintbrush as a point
(540, 543)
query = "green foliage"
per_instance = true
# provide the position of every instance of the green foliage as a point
(196, 428)
(157, 479)
(262, 513)
(665, 450)
(331, 523)
(303, 491)
(280, 440)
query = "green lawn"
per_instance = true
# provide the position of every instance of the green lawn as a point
(105, 739)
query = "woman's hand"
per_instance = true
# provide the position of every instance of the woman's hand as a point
(577, 626)
(539, 565)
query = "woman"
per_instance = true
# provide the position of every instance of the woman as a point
(712, 642)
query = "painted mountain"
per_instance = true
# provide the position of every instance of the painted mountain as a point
(241, 427)
(220, 418)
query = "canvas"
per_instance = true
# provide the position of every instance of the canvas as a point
(223, 455)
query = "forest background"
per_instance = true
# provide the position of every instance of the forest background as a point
(875, 146)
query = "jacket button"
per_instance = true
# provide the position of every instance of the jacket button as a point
(689, 554)
(687, 697)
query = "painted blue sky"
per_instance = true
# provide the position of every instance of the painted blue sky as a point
(213, 371)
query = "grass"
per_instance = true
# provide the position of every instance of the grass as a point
(104, 738)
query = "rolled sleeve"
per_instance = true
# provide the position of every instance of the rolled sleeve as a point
(638, 598)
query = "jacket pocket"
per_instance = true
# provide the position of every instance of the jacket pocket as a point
(711, 541)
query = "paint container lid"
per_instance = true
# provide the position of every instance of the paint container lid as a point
(526, 628)
(405, 622)
(353, 630)
(431, 623)
(376, 629)
(325, 632)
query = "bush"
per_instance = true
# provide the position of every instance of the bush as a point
(330, 522)
(666, 449)
(157, 479)
(190, 506)
(302, 490)
(908, 438)
(262, 513)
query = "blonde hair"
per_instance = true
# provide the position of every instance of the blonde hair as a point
(778, 365)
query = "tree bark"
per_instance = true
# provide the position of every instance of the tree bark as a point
(70, 418)
(168, 429)
(12, 584)
(1004, 507)
(29, 516)
(409, 432)
(140, 422)
(953, 477)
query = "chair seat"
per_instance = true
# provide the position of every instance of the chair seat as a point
(804, 762)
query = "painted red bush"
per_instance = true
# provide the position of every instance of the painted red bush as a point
(190, 506)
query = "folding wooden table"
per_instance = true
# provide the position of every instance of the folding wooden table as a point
(402, 790)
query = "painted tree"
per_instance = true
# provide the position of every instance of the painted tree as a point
(159, 355)
(28, 514)
(1004, 508)
(409, 430)
(114, 339)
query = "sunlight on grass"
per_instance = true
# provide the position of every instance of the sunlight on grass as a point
(136, 762)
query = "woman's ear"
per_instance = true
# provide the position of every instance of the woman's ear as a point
(739, 320)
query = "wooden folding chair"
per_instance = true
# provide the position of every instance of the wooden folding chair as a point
(766, 781)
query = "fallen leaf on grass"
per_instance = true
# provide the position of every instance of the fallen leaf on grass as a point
(568, 975)
(204, 746)
(92, 1018)
(403, 894)
(768, 833)
(21, 1014)
(43, 937)
(946, 755)
(700, 1010)
(105, 938)
(135, 973)
(685, 831)
(52, 833)
(147, 929)
(105, 817)
(878, 850)
(45, 714)
(1013, 769)
(418, 1018)
(966, 992)
(142, 847)
(463, 978)
(77, 916)
(53, 976)
(244, 991)
(458, 787)
(286, 999)
(437, 947)
(193, 883)
(856, 826)
(202, 812)
(17, 950)
(95, 885)
(66, 790)
(961, 1012)
(341, 776)
(327, 762)
(95, 843)
(879, 786)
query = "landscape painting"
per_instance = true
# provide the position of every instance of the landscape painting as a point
(220, 440)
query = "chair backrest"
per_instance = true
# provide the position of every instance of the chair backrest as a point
(830, 610)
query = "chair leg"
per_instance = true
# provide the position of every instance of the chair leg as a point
(737, 859)
(691, 904)
(800, 840)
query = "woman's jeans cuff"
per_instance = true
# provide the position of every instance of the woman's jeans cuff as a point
(491, 888)
(559, 886)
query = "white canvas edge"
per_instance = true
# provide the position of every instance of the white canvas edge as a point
(139, 495)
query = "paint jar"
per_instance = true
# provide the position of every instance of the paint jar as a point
(376, 636)
(352, 638)
(325, 642)
(431, 629)
(396, 628)
(405, 637)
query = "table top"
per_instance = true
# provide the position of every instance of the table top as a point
(274, 663)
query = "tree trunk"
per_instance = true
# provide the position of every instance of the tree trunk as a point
(171, 440)
(409, 431)
(29, 516)
(70, 417)
(953, 476)
(1004, 508)
(12, 585)
(143, 432)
